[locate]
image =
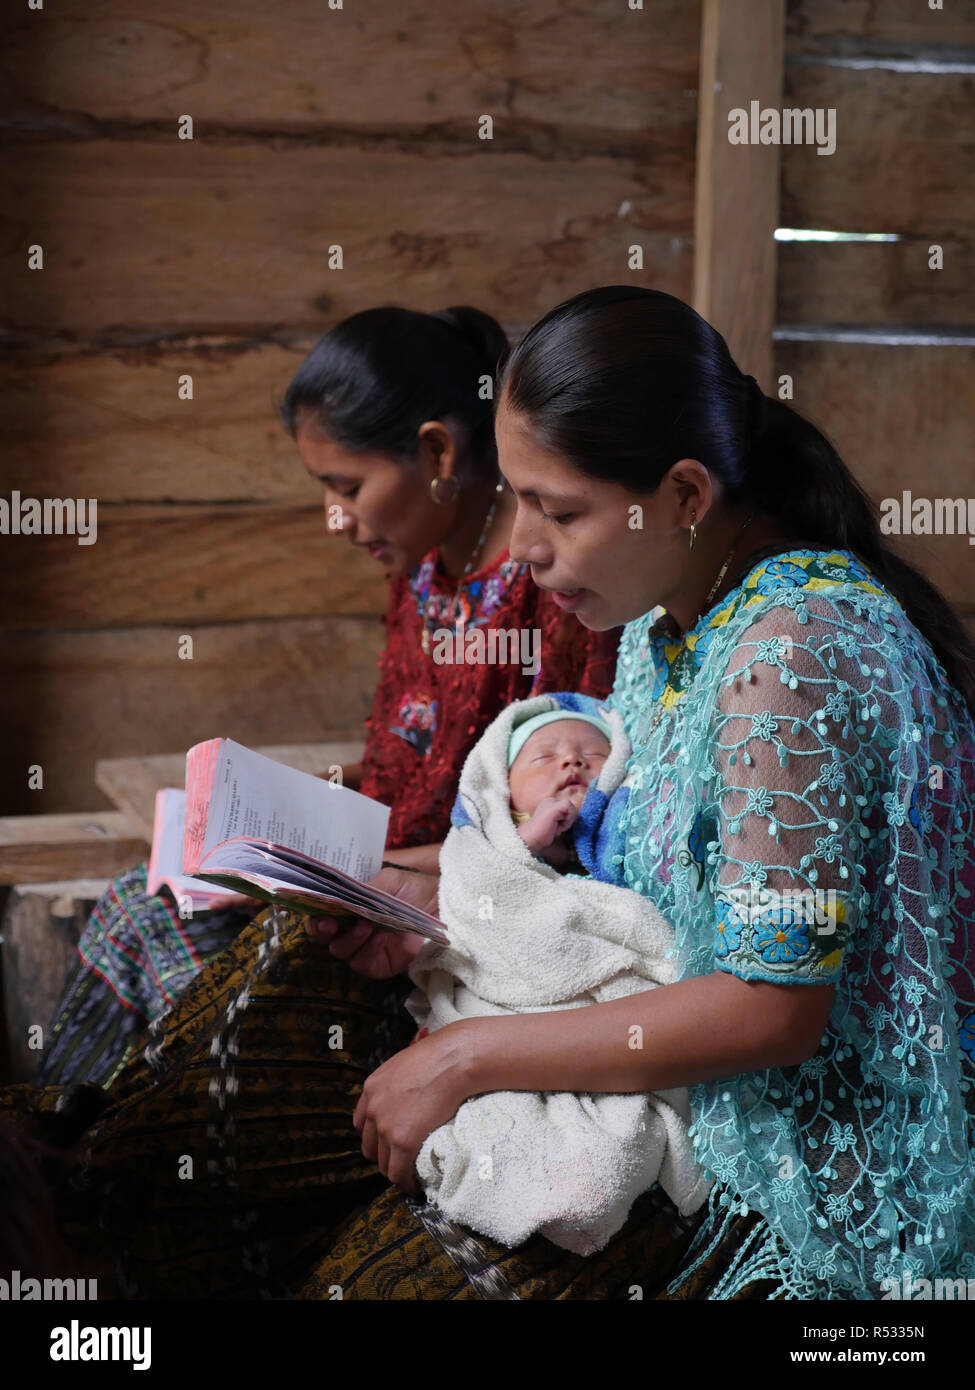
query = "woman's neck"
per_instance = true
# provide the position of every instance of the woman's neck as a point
(457, 548)
(761, 534)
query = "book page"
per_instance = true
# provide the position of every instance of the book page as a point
(201, 767)
(167, 841)
(166, 859)
(254, 796)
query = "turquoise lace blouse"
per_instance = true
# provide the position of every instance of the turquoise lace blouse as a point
(804, 812)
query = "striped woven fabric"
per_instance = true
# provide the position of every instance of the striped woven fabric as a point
(135, 952)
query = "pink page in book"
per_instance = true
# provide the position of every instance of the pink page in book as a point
(201, 768)
(155, 871)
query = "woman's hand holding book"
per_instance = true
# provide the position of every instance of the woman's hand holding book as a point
(369, 949)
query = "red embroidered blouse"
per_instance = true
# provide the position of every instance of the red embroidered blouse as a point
(427, 714)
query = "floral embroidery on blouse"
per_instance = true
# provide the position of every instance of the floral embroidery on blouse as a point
(806, 570)
(781, 937)
(418, 721)
(967, 1035)
(806, 936)
(447, 602)
(728, 928)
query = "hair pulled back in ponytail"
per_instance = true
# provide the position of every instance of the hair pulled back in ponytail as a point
(623, 381)
(372, 381)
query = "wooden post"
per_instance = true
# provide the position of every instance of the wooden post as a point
(736, 202)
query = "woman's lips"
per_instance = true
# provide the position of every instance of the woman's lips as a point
(568, 600)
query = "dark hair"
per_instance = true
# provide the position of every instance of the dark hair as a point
(373, 380)
(623, 381)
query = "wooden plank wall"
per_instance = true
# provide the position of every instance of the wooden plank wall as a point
(882, 348)
(164, 256)
(313, 127)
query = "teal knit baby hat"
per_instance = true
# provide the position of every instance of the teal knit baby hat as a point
(524, 731)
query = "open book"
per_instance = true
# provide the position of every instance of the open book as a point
(263, 830)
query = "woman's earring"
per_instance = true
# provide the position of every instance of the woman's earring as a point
(690, 545)
(444, 490)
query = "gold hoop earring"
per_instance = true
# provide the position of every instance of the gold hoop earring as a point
(690, 545)
(444, 490)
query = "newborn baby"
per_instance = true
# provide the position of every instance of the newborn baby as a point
(552, 758)
(527, 934)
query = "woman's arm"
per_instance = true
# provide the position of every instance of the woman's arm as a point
(423, 857)
(695, 1030)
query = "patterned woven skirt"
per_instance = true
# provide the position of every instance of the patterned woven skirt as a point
(222, 1162)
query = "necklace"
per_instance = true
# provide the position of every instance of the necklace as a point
(455, 601)
(707, 602)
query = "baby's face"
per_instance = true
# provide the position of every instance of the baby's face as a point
(564, 754)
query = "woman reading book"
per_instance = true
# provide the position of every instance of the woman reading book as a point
(802, 721)
(389, 411)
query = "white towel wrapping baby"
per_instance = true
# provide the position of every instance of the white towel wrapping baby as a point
(524, 938)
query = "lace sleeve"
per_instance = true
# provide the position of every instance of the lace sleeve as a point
(798, 723)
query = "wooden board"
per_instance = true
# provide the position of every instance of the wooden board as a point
(71, 698)
(877, 283)
(131, 783)
(102, 410)
(89, 844)
(859, 27)
(901, 418)
(187, 565)
(371, 66)
(112, 426)
(217, 238)
(738, 185)
(42, 923)
(904, 156)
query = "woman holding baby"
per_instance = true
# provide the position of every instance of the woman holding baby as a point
(801, 726)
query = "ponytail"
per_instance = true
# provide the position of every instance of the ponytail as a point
(488, 345)
(484, 335)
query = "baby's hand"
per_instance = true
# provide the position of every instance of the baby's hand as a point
(551, 818)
